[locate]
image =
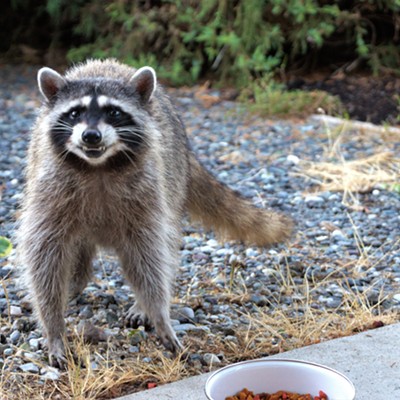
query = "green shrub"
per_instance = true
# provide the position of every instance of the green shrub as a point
(236, 41)
(230, 41)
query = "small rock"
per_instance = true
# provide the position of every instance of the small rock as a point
(15, 336)
(183, 315)
(396, 297)
(86, 312)
(373, 296)
(51, 375)
(91, 334)
(190, 327)
(8, 352)
(133, 349)
(29, 367)
(111, 317)
(212, 243)
(15, 311)
(34, 344)
(94, 366)
(232, 339)
(206, 249)
(251, 252)
(210, 359)
(292, 159)
(337, 234)
(137, 336)
(314, 201)
(259, 300)
(334, 302)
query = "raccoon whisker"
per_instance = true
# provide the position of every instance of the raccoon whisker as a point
(130, 132)
(63, 157)
(133, 128)
(130, 127)
(126, 153)
(62, 129)
(132, 136)
(63, 124)
(130, 140)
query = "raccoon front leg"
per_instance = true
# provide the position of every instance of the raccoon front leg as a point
(149, 268)
(47, 259)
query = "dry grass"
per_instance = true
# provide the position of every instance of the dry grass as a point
(269, 330)
(81, 382)
(355, 176)
(336, 173)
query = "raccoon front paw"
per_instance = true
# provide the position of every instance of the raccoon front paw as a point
(135, 318)
(171, 342)
(57, 357)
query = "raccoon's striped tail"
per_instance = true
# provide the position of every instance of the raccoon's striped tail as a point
(231, 216)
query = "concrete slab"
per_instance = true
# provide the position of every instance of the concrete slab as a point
(370, 359)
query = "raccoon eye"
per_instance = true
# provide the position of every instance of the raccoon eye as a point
(74, 114)
(114, 113)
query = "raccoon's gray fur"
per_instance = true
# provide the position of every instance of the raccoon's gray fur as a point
(109, 165)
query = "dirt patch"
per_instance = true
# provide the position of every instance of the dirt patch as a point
(365, 98)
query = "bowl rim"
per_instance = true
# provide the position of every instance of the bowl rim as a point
(259, 360)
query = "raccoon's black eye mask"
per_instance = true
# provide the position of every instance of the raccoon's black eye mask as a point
(111, 115)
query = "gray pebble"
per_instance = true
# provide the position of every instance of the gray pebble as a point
(15, 336)
(8, 352)
(34, 344)
(137, 337)
(30, 367)
(258, 300)
(15, 311)
(337, 234)
(111, 317)
(314, 201)
(52, 375)
(334, 302)
(133, 349)
(184, 314)
(190, 328)
(211, 359)
(86, 312)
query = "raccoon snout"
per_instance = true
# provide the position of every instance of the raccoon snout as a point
(92, 137)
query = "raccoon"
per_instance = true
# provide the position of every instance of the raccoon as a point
(109, 165)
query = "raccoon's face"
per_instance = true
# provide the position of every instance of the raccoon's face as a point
(97, 119)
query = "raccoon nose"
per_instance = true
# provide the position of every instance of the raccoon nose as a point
(91, 136)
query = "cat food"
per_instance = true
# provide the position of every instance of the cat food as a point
(246, 394)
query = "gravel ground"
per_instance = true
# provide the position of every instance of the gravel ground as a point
(255, 156)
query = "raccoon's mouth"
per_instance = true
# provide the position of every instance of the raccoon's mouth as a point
(93, 152)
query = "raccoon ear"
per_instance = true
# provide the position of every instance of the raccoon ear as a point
(144, 82)
(50, 82)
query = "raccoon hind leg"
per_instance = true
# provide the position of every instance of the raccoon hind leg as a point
(82, 270)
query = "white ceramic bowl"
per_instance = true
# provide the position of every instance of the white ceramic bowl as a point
(271, 375)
